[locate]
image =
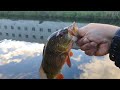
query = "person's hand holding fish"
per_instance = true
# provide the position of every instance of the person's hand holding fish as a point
(57, 52)
(96, 38)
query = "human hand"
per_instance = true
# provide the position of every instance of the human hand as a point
(95, 39)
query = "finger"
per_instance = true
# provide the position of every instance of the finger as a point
(82, 41)
(89, 46)
(91, 52)
(102, 49)
(81, 32)
(85, 47)
(93, 44)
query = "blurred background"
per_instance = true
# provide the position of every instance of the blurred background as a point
(79, 16)
(24, 33)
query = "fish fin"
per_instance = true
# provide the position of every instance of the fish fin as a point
(75, 28)
(71, 54)
(60, 76)
(68, 58)
(42, 73)
(68, 61)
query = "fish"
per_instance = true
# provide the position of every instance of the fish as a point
(57, 52)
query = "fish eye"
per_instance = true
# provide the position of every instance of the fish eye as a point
(61, 34)
(65, 31)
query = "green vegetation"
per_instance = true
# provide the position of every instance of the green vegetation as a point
(79, 16)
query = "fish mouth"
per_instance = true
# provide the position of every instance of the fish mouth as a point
(73, 29)
(73, 32)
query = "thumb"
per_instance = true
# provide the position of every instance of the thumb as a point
(81, 32)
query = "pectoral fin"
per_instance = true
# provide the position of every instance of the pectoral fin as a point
(71, 53)
(68, 61)
(60, 76)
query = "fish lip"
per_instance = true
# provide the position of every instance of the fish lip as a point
(73, 29)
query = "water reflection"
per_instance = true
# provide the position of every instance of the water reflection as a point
(21, 60)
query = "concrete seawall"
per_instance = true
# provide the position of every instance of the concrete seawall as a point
(30, 31)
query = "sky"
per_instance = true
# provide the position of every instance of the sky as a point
(21, 60)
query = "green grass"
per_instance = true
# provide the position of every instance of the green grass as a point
(79, 16)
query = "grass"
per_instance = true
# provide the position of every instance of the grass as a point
(111, 17)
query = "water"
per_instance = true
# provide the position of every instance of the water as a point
(21, 60)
